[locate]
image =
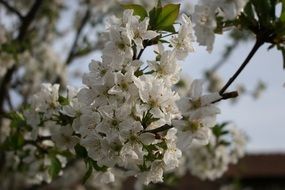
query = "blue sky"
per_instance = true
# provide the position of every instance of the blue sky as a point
(261, 119)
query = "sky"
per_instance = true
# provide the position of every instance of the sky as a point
(263, 118)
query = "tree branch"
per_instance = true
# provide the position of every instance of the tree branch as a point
(26, 22)
(256, 46)
(160, 129)
(227, 95)
(140, 53)
(12, 9)
(72, 51)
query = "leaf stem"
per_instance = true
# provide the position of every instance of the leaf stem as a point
(227, 95)
(140, 53)
(160, 129)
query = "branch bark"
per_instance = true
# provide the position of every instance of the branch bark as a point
(12, 9)
(77, 35)
(26, 22)
(256, 46)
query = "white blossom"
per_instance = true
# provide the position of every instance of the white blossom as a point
(205, 24)
(199, 115)
(63, 137)
(212, 160)
(115, 115)
(231, 8)
(183, 42)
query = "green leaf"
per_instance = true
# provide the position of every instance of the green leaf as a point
(63, 101)
(91, 164)
(138, 10)
(248, 10)
(273, 4)
(64, 119)
(88, 173)
(218, 130)
(167, 16)
(162, 145)
(80, 151)
(138, 72)
(17, 120)
(224, 143)
(148, 119)
(282, 16)
(55, 167)
(16, 141)
(153, 14)
(247, 18)
(263, 10)
(159, 5)
(169, 29)
(97, 167)
(163, 18)
(153, 153)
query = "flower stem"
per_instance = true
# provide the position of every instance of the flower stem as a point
(160, 129)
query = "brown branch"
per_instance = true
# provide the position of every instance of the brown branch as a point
(26, 22)
(72, 51)
(160, 129)
(28, 19)
(12, 9)
(4, 88)
(140, 53)
(227, 95)
(256, 46)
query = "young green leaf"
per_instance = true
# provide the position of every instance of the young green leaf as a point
(138, 10)
(63, 101)
(16, 141)
(80, 151)
(159, 4)
(282, 16)
(17, 120)
(55, 166)
(97, 167)
(169, 29)
(167, 16)
(263, 10)
(88, 173)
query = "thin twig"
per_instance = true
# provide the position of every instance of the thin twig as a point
(227, 95)
(140, 53)
(4, 88)
(77, 35)
(28, 19)
(169, 34)
(146, 44)
(10, 104)
(26, 22)
(160, 129)
(256, 46)
(12, 9)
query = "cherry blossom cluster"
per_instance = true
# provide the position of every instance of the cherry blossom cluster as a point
(127, 117)
(205, 15)
(212, 160)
